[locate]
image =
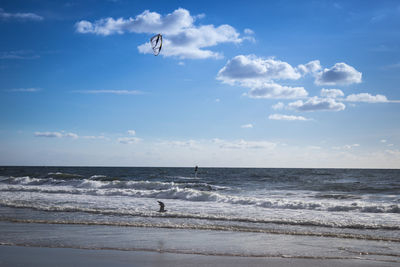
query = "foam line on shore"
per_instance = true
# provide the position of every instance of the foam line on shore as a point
(206, 227)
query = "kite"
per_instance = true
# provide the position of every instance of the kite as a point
(156, 44)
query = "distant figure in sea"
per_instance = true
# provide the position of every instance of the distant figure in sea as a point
(195, 171)
(162, 206)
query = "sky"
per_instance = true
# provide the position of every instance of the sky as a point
(294, 84)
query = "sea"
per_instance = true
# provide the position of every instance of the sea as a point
(247, 212)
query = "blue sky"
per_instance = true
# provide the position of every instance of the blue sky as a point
(260, 84)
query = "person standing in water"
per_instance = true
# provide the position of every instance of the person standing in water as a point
(195, 171)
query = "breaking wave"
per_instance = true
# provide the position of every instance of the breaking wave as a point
(197, 192)
(206, 217)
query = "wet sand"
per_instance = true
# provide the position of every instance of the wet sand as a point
(39, 244)
(39, 256)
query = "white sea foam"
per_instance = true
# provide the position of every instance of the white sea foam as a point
(159, 190)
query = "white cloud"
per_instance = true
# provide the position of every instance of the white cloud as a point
(249, 35)
(287, 117)
(115, 92)
(346, 147)
(251, 69)
(248, 31)
(217, 100)
(19, 54)
(259, 74)
(147, 22)
(25, 90)
(200, 16)
(278, 106)
(340, 73)
(243, 144)
(19, 16)
(178, 143)
(49, 134)
(131, 132)
(331, 93)
(56, 135)
(316, 104)
(365, 97)
(311, 67)
(93, 137)
(274, 90)
(247, 126)
(383, 141)
(71, 135)
(351, 146)
(129, 140)
(181, 38)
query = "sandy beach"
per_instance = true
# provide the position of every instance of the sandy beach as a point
(38, 244)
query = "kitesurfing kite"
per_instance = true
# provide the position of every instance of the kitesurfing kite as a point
(156, 44)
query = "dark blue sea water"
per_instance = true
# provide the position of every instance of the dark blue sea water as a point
(348, 204)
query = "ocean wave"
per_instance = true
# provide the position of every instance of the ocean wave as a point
(159, 190)
(63, 175)
(337, 196)
(101, 181)
(192, 191)
(98, 177)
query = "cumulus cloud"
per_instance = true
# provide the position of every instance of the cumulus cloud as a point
(56, 135)
(181, 37)
(274, 90)
(247, 126)
(259, 75)
(340, 73)
(19, 16)
(282, 117)
(129, 140)
(311, 67)
(251, 69)
(365, 97)
(331, 93)
(146, 22)
(243, 144)
(317, 104)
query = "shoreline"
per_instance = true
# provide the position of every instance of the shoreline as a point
(45, 256)
(200, 245)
